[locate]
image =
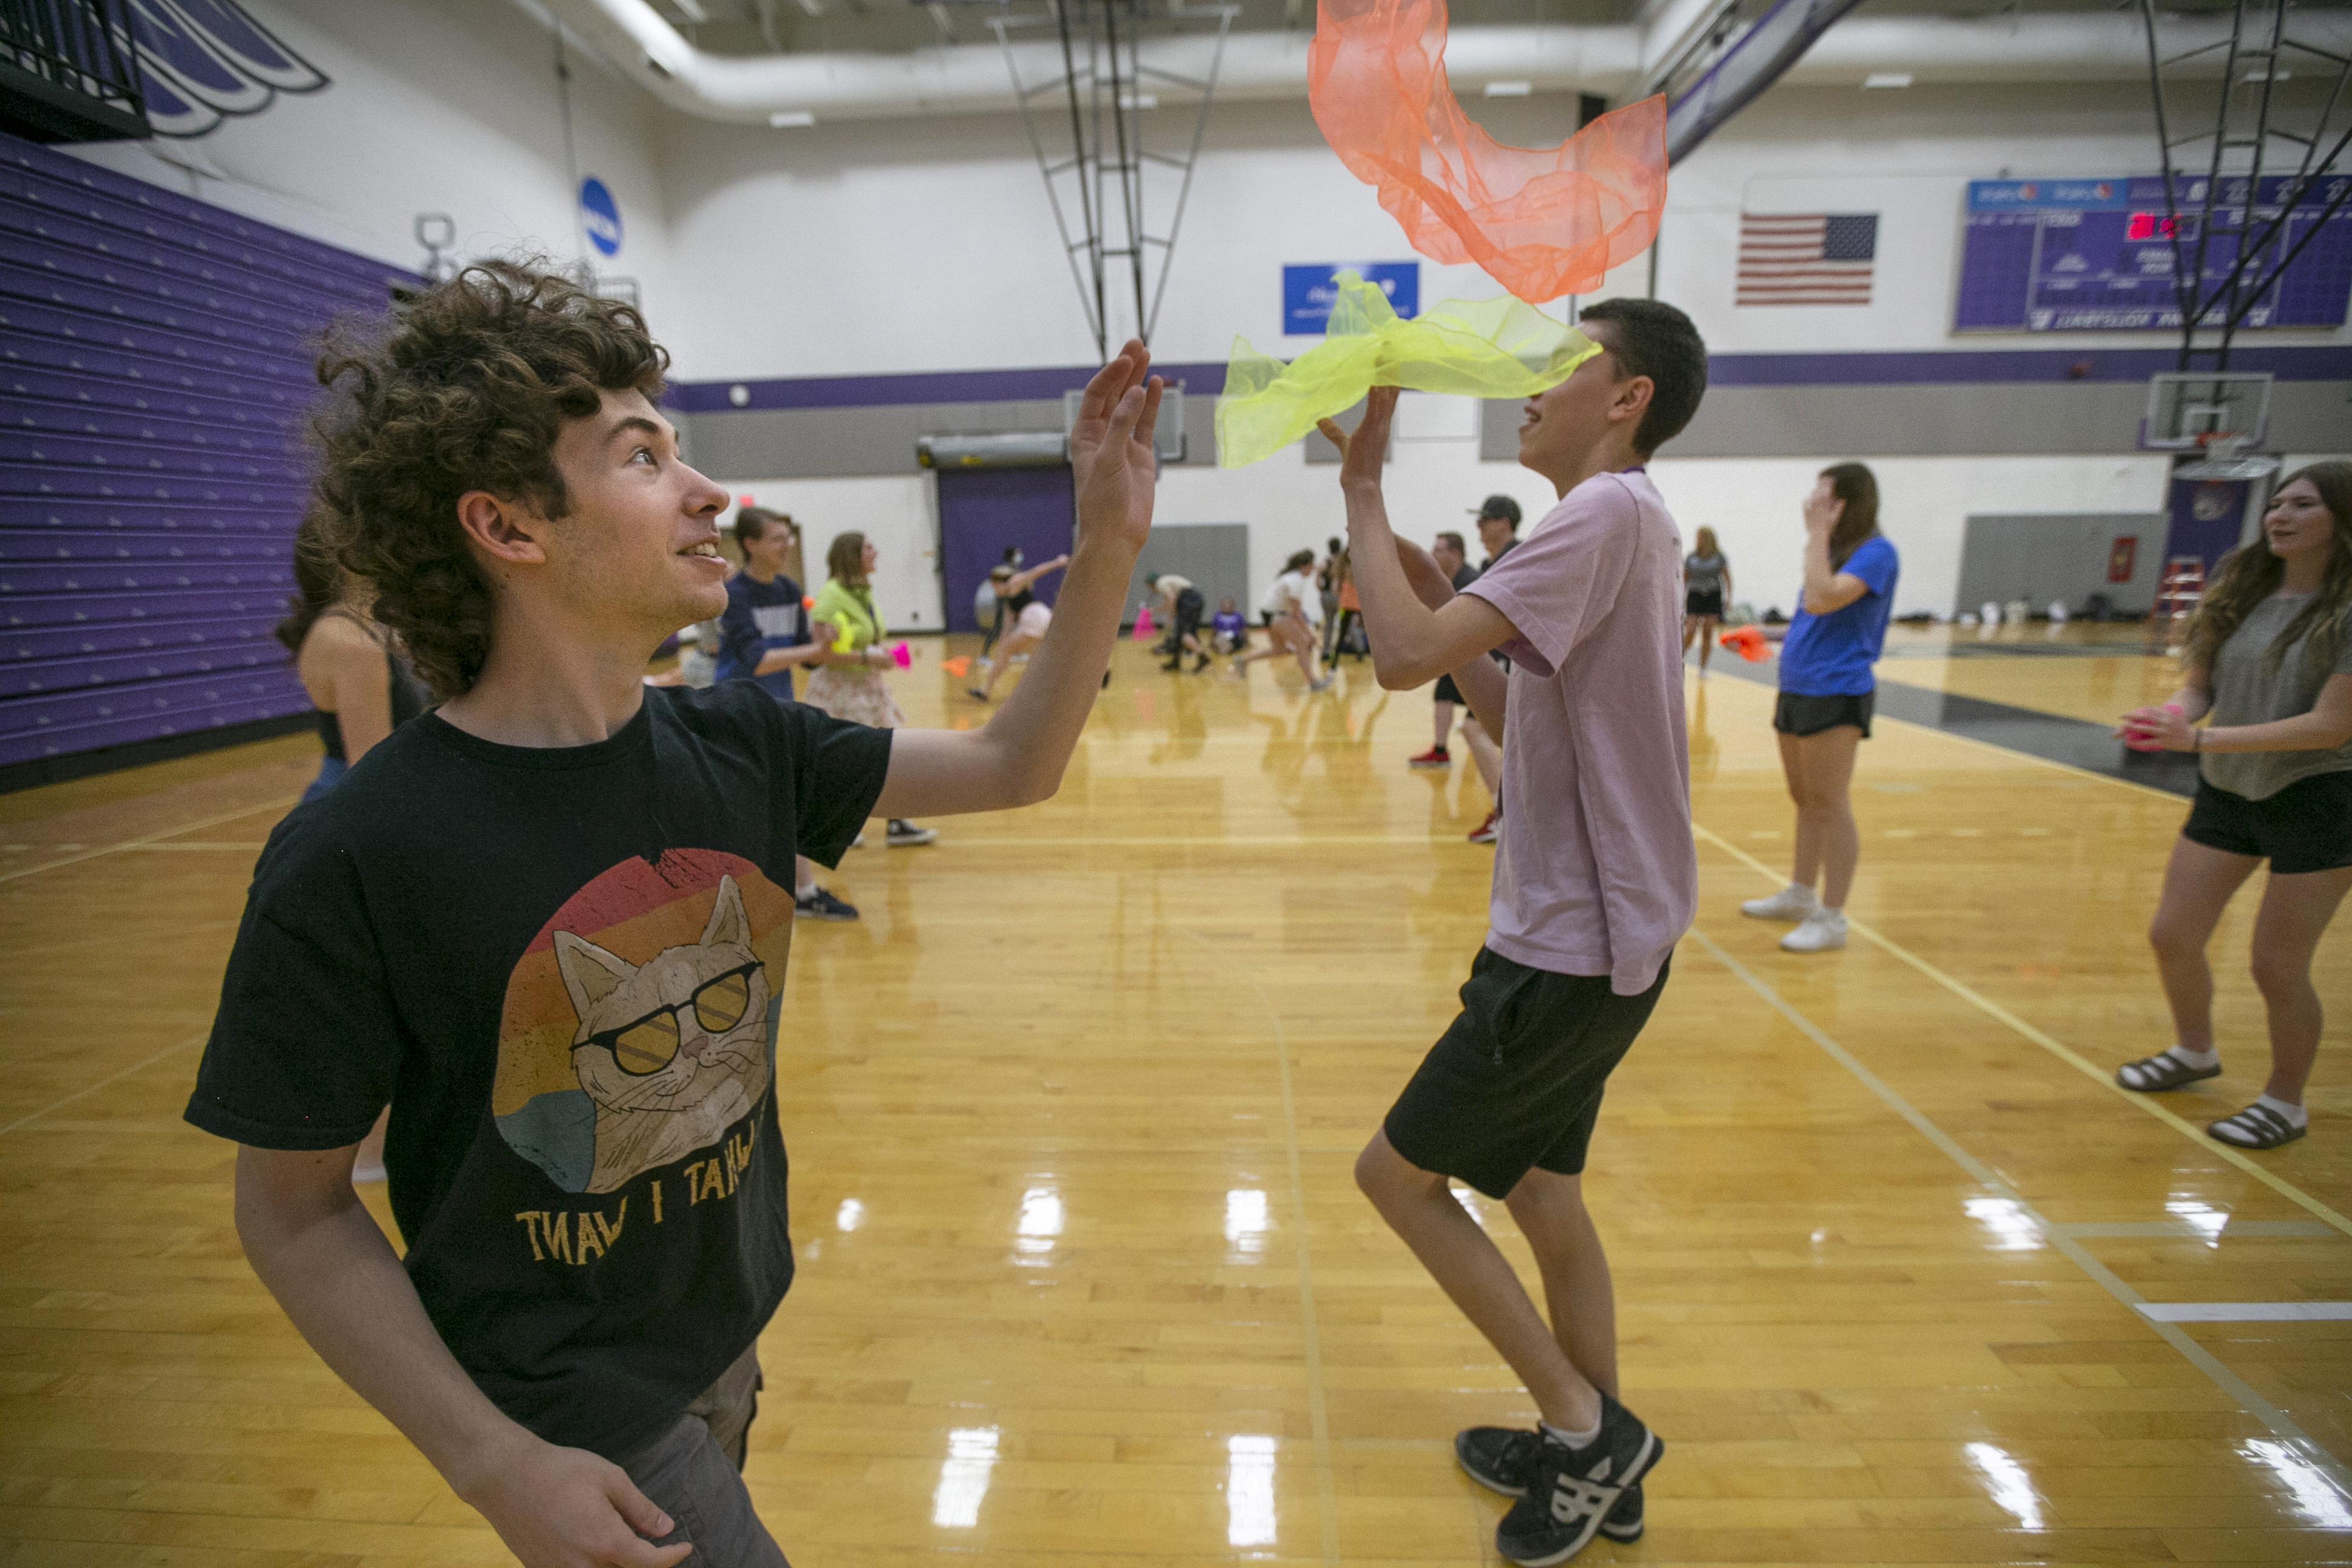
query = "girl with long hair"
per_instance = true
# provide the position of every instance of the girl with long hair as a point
(360, 685)
(1025, 620)
(1827, 689)
(357, 679)
(1707, 587)
(848, 680)
(1288, 625)
(2268, 667)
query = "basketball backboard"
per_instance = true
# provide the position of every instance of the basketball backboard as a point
(1167, 436)
(2189, 411)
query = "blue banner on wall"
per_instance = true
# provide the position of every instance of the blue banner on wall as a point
(1307, 292)
(600, 214)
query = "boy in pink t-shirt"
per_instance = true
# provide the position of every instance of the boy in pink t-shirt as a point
(1595, 881)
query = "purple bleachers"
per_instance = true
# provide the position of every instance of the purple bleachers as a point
(156, 371)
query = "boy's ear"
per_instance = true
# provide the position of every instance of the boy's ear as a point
(501, 528)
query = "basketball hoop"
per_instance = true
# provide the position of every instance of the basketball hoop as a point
(2223, 455)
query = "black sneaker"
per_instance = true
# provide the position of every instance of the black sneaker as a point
(817, 904)
(903, 834)
(1500, 1459)
(1570, 1490)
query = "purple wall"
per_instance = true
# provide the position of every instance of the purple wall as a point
(154, 370)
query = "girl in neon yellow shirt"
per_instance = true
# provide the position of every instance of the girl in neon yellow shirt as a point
(848, 684)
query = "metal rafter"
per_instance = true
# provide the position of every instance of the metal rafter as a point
(2250, 125)
(1102, 85)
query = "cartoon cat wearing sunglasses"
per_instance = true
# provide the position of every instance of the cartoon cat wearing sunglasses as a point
(671, 1052)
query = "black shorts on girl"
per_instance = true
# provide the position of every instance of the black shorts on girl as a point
(2306, 827)
(1799, 715)
(1703, 602)
(1515, 1082)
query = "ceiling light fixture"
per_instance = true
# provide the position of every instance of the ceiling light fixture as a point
(1881, 80)
(790, 120)
(1509, 88)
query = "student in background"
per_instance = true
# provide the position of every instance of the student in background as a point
(1028, 619)
(1453, 558)
(1288, 625)
(1707, 587)
(1827, 688)
(2269, 667)
(764, 634)
(362, 689)
(848, 683)
(1230, 628)
(1183, 604)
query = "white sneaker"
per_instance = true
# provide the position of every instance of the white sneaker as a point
(1823, 930)
(1788, 904)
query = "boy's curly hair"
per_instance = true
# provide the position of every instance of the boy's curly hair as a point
(466, 391)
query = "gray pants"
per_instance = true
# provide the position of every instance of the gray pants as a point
(695, 1472)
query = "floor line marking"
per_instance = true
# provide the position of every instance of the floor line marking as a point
(150, 838)
(2247, 1312)
(2281, 1425)
(1318, 1418)
(2188, 1230)
(141, 1065)
(2144, 1103)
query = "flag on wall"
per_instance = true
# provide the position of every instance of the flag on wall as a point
(1806, 258)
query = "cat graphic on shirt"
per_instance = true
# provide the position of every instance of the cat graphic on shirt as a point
(671, 1052)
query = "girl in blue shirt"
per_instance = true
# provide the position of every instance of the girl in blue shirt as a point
(1827, 686)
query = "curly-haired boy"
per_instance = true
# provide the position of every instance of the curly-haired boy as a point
(549, 923)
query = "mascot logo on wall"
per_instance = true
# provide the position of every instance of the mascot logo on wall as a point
(202, 62)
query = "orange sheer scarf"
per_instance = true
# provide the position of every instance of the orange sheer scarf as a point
(1541, 222)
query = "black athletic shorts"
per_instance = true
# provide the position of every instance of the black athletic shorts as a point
(1189, 608)
(2306, 827)
(1515, 1082)
(1446, 690)
(1797, 714)
(1703, 602)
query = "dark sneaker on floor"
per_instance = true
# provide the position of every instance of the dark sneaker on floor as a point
(817, 904)
(1501, 1459)
(1571, 1490)
(904, 834)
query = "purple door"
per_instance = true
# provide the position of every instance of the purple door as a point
(984, 511)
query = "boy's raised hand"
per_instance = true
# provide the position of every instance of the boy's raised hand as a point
(1362, 453)
(1111, 451)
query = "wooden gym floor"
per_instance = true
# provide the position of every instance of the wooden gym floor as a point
(1084, 1281)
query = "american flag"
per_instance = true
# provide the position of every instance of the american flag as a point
(1806, 258)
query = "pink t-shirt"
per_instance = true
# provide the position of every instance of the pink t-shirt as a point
(1595, 873)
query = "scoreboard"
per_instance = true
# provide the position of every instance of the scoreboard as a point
(2070, 255)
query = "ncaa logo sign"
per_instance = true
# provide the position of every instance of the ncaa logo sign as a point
(600, 215)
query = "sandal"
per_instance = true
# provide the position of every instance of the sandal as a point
(2256, 1127)
(2154, 1075)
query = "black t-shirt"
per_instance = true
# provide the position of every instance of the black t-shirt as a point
(563, 969)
